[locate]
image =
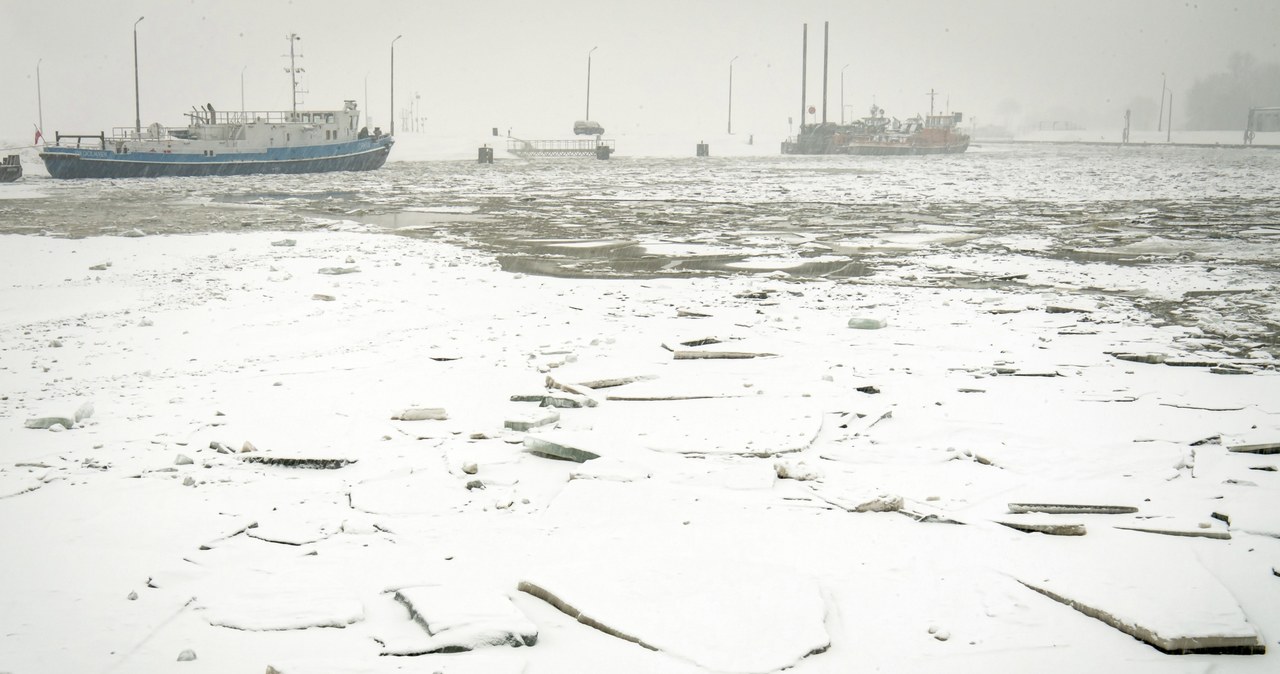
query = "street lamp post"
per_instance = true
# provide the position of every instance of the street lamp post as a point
(393, 84)
(842, 93)
(731, 94)
(589, 83)
(137, 106)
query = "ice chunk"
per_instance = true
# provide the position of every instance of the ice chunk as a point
(43, 423)
(463, 619)
(1172, 603)
(525, 422)
(867, 323)
(422, 414)
(557, 447)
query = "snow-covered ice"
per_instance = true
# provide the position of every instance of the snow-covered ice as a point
(839, 502)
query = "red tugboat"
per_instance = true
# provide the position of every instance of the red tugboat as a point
(874, 134)
(880, 135)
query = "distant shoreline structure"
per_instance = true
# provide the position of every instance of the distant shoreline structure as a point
(1116, 143)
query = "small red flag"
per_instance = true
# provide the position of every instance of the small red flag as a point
(38, 137)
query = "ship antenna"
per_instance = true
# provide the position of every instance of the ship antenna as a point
(293, 70)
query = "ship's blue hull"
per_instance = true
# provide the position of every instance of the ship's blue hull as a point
(365, 154)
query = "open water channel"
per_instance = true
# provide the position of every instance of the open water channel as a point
(1192, 234)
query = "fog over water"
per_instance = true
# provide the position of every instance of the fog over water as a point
(658, 67)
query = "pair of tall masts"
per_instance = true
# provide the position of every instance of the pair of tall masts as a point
(293, 70)
(804, 71)
(804, 76)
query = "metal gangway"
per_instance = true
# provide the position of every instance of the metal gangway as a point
(589, 147)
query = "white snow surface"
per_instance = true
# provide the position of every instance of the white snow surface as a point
(682, 536)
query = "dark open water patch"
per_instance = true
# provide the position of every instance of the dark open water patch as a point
(851, 218)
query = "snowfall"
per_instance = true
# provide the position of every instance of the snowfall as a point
(336, 448)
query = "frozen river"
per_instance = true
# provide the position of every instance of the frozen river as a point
(1137, 221)
(819, 414)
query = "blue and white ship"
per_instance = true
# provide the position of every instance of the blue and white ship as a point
(219, 143)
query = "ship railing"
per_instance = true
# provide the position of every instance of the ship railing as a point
(100, 139)
(200, 116)
(155, 132)
(577, 145)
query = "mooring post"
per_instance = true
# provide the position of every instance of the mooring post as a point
(704, 150)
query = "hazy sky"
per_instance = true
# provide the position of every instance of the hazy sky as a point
(661, 65)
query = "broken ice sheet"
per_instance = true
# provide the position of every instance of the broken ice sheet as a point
(463, 619)
(727, 615)
(562, 446)
(295, 526)
(427, 491)
(278, 601)
(1158, 594)
(1250, 510)
(17, 481)
(748, 426)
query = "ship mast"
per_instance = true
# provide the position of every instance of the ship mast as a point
(293, 70)
(804, 74)
(826, 36)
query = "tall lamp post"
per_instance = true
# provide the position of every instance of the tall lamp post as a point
(137, 106)
(842, 93)
(588, 119)
(393, 84)
(731, 94)
(1160, 119)
(39, 99)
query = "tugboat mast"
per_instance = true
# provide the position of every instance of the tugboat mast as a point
(804, 76)
(293, 70)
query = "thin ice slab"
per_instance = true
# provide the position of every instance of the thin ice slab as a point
(1072, 508)
(463, 619)
(428, 491)
(1042, 526)
(312, 462)
(755, 426)
(294, 527)
(1262, 448)
(725, 615)
(1160, 595)
(559, 446)
(266, 603)
(531, 420)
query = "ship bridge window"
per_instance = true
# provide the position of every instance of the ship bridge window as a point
(328, 118)
(306, 117)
